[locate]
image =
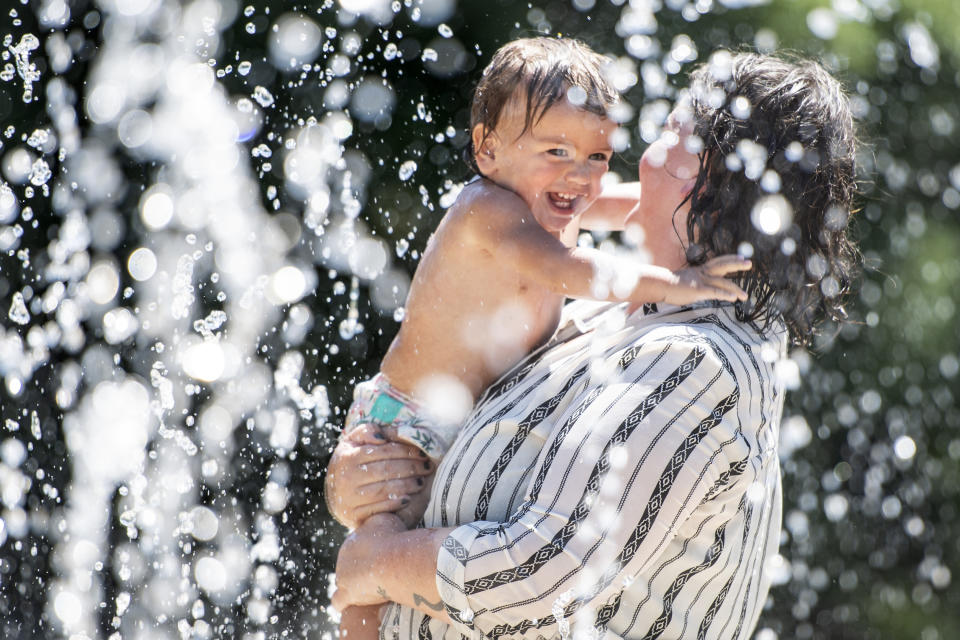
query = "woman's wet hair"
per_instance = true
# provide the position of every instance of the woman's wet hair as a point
(540, 72)
(776, 181)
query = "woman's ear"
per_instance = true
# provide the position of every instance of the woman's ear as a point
(485, 144)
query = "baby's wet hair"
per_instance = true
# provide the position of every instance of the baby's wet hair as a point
(540, 71)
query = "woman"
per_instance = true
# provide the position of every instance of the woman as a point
(623, 481)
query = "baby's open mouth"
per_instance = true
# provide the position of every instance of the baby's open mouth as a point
(562, 200)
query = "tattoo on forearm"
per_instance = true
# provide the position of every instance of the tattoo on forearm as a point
(419, 599)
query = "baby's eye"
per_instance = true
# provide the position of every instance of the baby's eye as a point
(600, 157)
(562, 153)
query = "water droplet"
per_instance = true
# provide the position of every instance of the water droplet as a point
(244, 68)
(740, 108)
(263, 96)
(576, 96)
(8, 204)
(294, 41)
(349, 327)
(822, 23)
(445, 30)
(40, 172)
(407, 170)
(18, 309)
(399, 314)
(794, 151)
(429, 55)
(214, 320)
(770, 182)
(772, 214)
(38, 138)
(905, 448)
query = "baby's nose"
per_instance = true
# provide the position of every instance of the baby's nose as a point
(579, 173)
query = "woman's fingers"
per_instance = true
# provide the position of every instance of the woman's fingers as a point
(369, 474)
(368, 433)
(390, 461)
(366, 479)
(390, 489)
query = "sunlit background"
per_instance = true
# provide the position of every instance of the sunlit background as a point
(209, 214)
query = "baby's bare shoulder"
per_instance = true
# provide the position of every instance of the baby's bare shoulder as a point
(483, 205)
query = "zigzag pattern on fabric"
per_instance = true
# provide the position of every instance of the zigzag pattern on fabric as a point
(713, 553)
(534, 418)
(643, 527)
(563, 536)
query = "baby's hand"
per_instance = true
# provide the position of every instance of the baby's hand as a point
(708, 281)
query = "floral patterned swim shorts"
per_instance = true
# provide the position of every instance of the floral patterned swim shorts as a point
(377, 401)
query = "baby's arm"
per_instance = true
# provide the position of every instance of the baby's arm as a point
(612, 210)
(500, 221)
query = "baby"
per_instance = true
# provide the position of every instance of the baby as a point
(494, 277)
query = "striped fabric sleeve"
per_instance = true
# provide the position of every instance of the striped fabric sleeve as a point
(634, 455)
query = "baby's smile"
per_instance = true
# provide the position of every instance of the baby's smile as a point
(562, 200)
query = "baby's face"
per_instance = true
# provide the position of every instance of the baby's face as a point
(555, 165)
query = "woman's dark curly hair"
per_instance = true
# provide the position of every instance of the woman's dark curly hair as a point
(786, 195)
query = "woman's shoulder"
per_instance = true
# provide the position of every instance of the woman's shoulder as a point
(715, 333)
(712, 320)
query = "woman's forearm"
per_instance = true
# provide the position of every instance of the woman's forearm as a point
(407, 570)
(377, 564)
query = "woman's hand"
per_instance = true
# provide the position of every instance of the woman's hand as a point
(368, 474)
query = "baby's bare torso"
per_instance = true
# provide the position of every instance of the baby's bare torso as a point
(468, 315)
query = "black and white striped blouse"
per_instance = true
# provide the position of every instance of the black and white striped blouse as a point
(622, 482)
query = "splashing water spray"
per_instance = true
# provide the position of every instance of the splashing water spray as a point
(206, 231)
(214, 274)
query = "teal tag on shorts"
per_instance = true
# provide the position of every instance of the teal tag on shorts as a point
(385, 408)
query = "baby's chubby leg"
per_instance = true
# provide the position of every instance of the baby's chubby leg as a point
(360, 623)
